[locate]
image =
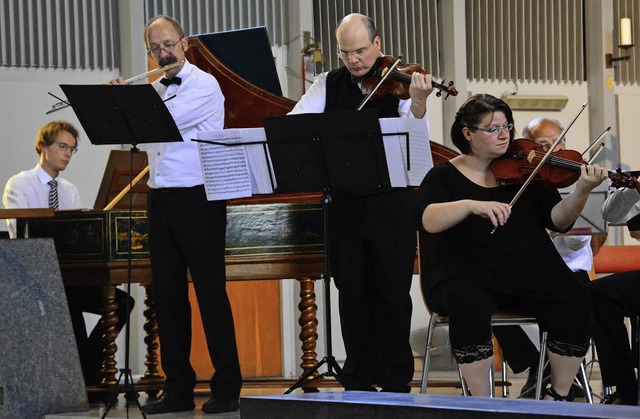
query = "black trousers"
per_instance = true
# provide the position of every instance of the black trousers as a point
(469, 306)
(517, 349)
(188, 232)
(615, 297)
(373, 247)
(88, 299)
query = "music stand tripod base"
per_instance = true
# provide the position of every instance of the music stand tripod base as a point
(333, 369)
(129, 391)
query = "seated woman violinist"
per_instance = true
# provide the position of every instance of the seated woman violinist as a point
(472, 272)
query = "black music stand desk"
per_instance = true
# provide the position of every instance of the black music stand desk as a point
(122, 114)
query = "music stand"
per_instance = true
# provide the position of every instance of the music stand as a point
(132, 115)
(335, 151)
(590, 221)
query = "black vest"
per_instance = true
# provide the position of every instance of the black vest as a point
(343, 94)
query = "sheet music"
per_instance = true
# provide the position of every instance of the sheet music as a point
(258, 160)
(420, 158)
(393, 153)
(243, 170)
(234, 171)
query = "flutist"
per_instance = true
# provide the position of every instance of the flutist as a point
(187, 231)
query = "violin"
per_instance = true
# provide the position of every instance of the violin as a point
(560, 170)
(397, 83)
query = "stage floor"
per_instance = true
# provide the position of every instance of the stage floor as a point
(354, 404)
(437, 397)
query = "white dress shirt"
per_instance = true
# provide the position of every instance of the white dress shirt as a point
(315, 99)
(576, 251)
(198, 106)
(29, 189)
(621, 205)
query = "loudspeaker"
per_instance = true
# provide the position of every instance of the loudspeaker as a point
(40, 370)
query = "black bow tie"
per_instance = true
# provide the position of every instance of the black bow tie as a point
(167, 82)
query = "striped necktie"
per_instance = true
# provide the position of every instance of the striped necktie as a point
(53, 194)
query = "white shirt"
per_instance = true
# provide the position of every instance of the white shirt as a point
(315, 99)
(576, 251)
(621, 205)
(29, 189)
(198, 106)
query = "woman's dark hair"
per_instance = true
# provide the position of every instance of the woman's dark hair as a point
(471, 114)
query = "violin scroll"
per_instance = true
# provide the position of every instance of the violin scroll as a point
(620, 179)
(449, 89)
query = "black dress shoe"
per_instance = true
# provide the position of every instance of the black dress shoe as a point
(396, 389)
(616, 398)
(97, 399)
(528, 390)
(577, 391)
(169, 403)
(361, 388)
(220, 405)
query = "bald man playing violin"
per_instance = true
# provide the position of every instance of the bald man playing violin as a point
(372, 237)
(359, 48)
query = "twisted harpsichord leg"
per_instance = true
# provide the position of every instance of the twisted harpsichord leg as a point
(151, 375)
(108, 324)
(309, 324)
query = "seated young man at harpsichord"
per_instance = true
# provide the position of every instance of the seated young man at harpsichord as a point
(42, 187)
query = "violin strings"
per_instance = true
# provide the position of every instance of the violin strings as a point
(560, 161)
(566, 163)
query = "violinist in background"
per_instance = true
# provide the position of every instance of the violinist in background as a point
(517, 349)
(372, 237)
(615, 297)
(622, 205)
(471, 273)
(633, 225)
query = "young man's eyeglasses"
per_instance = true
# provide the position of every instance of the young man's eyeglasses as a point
(64, 148)
(495, 131)
(166, 48)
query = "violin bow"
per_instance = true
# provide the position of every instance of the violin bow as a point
(596, 154)
(600, 146)
(543, 160)
(382, 79)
